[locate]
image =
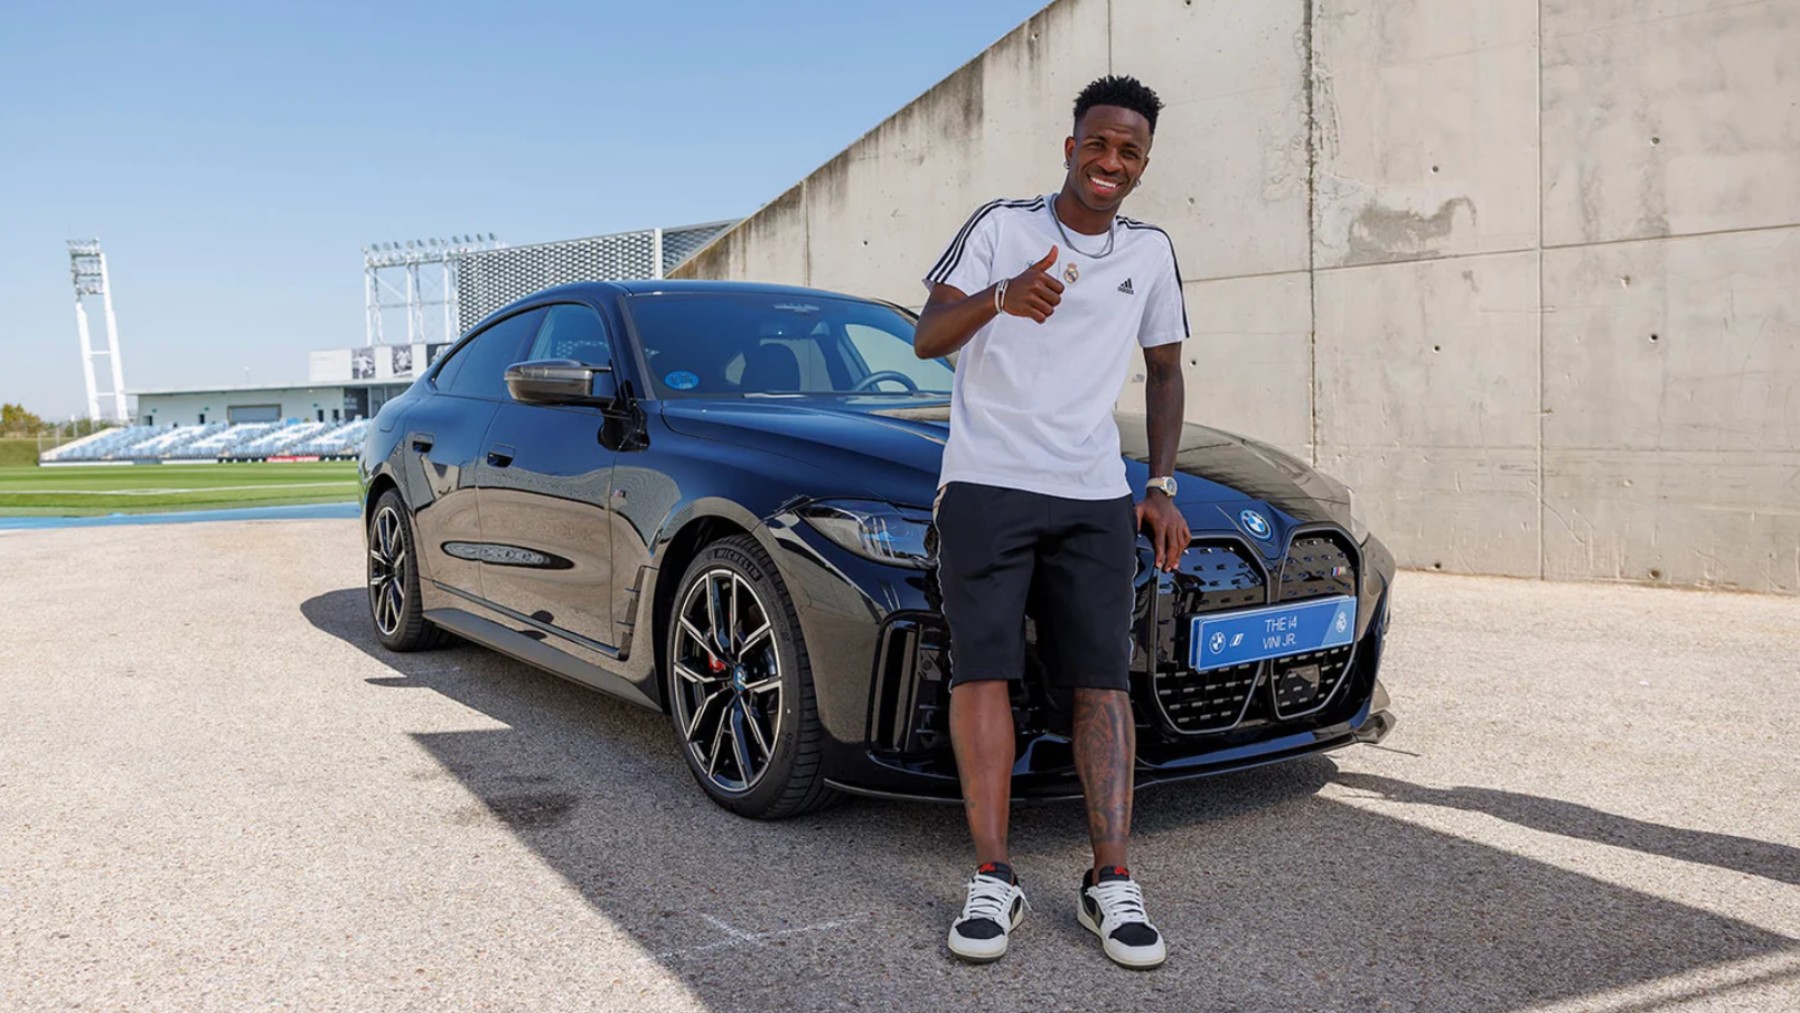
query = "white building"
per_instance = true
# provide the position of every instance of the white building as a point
(305, 402)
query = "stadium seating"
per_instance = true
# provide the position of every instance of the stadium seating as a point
(216, 441)
(326, 443)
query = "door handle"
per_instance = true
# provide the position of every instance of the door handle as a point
(500, 455)
(421, 442)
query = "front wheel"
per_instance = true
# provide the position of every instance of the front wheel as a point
(740, 686)
(393, 572)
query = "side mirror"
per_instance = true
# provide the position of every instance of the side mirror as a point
(561, 382)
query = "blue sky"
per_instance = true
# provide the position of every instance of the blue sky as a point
(233, 158)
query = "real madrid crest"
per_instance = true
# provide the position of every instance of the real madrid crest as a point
(1071, 273)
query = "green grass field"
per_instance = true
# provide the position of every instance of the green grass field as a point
(157, 488)
(15, 452)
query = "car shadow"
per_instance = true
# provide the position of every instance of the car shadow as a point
(1273, 896)
(1747, 855)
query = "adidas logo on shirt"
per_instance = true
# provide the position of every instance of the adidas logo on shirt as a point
(1125, 286)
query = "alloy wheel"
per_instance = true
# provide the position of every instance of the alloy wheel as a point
(387, 571)
(727, 680)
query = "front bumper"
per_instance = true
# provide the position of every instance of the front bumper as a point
(1189, 724)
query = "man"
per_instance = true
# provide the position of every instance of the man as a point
(1045, 299)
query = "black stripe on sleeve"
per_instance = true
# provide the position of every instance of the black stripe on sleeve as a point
(1132, 223)
(953, 256)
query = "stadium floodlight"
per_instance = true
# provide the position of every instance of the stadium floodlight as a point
(87, 269)
(443, 254)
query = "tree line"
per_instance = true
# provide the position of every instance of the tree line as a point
(15, 420)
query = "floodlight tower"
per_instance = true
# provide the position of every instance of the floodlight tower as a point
(408, 257)
(87, 268)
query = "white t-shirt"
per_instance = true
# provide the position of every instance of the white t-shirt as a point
(1032, 404)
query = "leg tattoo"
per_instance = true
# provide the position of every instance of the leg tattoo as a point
(1105, 750)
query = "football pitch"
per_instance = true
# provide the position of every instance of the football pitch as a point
(158, 488)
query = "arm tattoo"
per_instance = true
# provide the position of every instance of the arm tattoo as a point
(1105, 749)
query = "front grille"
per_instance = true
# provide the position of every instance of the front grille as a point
(1306, 682)
(1206, 701)
(1213, 577)
(1318, 565)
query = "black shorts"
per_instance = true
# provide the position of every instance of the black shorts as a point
(994, 543)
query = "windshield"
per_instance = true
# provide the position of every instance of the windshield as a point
(767, 344)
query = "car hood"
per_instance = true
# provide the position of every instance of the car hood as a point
(893, 452)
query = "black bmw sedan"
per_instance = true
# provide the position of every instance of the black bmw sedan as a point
(714, 500)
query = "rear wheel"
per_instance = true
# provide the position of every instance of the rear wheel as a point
(400, 622)
(740, 685)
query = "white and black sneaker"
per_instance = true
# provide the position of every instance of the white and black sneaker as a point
(995, 906)
(1113, 909)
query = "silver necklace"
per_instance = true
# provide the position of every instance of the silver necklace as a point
(1111, 231)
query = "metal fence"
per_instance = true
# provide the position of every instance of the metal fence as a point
(489, 279)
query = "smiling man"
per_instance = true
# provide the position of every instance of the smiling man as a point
(1045, 299)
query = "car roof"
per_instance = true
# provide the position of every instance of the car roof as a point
(651, 286)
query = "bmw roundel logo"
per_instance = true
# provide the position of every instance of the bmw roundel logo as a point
(1256, 524)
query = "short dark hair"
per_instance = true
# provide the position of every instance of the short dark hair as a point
(1123, 91)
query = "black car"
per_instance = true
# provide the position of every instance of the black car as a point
(714, 500)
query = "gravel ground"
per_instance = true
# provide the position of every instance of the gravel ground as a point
(216, 793)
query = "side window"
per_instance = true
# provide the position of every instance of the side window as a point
(478, 369)
(572, 332)
(882, 350)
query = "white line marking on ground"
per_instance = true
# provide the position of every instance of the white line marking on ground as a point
(171, 492)
(740, 937)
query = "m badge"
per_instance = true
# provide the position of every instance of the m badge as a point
(1125, 286)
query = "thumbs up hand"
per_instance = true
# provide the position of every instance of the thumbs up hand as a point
(1035, 293)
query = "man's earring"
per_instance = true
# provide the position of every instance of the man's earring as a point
(1066, 164)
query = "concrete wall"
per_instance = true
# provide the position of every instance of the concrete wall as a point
(1526, 273)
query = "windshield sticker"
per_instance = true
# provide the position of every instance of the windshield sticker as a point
(800, 308)
(681, 379)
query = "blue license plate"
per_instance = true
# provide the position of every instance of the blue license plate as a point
(1236, 638)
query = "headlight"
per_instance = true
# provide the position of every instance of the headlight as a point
(1358, 530)
(873, 530)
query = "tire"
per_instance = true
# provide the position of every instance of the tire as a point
(393, 580)
(725, 717)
